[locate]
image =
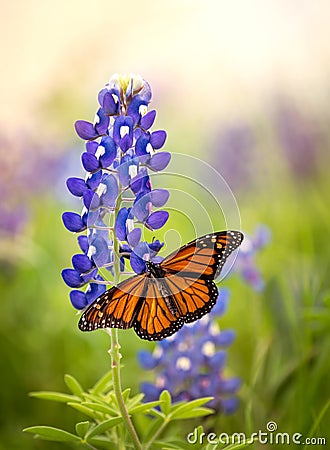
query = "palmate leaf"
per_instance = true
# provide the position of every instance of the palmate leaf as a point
(52, 434)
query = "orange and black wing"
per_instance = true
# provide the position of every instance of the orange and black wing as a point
(171, 302)
(116, 308)
(204, 257)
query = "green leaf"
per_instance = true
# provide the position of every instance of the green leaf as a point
(103, 427)
(52, 434)
(103, 384)
(99, 442)
(242, 445)
(126, 394)
(103, 408)
(190, 414)
(318, 420)
(73, 385)
(166, 400)
(155, 424)
(54, 396)
(192, 403)
(190, 406)
(134, 401)
(144, 407)
(87, 411)
(82, 428)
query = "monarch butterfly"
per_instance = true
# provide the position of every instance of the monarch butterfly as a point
(179, 290)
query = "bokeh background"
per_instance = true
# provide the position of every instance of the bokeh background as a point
(242, 85)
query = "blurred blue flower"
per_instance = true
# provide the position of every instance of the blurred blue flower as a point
(28, 168)
(117, 195)
(191, 363)
(245, 263)
(300, 138)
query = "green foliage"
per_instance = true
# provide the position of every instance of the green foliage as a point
(106, 428)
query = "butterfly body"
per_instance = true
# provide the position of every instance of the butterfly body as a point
(179, 290)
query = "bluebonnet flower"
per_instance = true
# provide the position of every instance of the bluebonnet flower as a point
(245, 263)
(117, 195)
(23, 177)
(300, 138)
(235, 154)
(191, 363)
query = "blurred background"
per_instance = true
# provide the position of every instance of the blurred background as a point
(242, 85)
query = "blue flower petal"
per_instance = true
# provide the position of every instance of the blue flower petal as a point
(225, 338)
(110, 151)
(148, 119)
(218, 360)
(91, 147)
(91, 199)
(222, 303)
(134, 108)
(108, 190)
(157, 219)
(81, 263)
(159, 161)
(120, 224)
(83, 243)
(85, 130)
(133, 238)
(101, 253)
(76, 186)
(94, 291)
(159, 197)
(101, 126)
(137, 263)
(229, 405)
(158, 138)
(90, 162)
(93, 180)
(230, 385)
(146, 359)
(150, 391)
(72, 278)
(73, 222)
(110, 102)
(78, 299)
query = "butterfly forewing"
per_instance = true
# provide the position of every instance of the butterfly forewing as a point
(205, 256)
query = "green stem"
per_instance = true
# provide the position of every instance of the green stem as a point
(115, 365)
(115, 351)
(157, 433)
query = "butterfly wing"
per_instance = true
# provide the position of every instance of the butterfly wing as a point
(159, 315)
(204, 257)
(116, 308)
(172, 301)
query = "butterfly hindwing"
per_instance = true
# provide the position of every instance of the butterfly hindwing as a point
(159, 316)
(117, 307)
